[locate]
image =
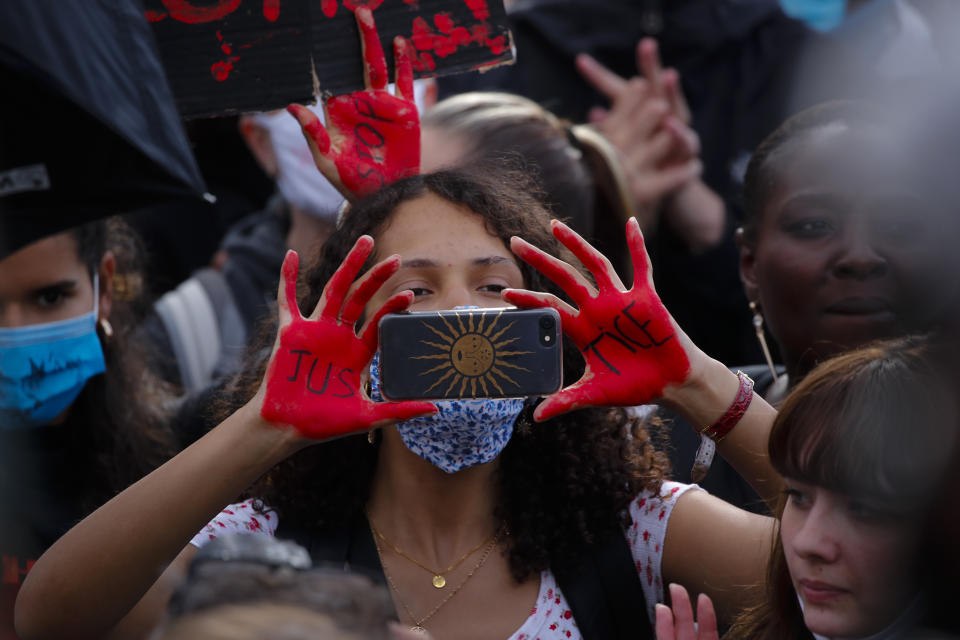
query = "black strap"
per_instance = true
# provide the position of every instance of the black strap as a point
(604, 591)
(350, 548)
(602, 586)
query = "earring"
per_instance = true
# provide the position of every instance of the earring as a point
(106, 327)
(762, 338)
(372, 436)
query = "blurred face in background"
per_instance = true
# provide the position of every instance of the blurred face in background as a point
(848, 247)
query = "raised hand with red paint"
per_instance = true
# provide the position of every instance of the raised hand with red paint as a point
(372, 138)
(313, 381)
(632, 347)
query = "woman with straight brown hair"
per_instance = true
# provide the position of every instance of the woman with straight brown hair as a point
(863, 444)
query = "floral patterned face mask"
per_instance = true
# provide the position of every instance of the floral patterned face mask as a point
(465, 433)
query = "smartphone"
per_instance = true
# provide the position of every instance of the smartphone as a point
(470, 353)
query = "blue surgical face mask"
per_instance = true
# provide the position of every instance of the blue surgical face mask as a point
(43, 367)
(465, 433)
(821, 15)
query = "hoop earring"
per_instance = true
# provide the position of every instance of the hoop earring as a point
(106, 327)
(762, 338)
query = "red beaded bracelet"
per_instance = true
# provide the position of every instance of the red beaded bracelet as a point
(719, 429)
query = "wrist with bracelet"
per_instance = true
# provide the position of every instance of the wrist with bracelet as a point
(716, 432)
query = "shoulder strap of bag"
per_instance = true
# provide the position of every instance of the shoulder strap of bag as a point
(350, 547)
(604, 591)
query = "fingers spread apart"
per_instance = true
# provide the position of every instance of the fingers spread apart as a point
(595, 262)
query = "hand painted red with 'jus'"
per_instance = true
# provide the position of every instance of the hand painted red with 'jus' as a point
(627, 337)
(313, 381)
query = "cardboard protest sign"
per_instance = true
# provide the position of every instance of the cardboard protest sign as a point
(229, 56)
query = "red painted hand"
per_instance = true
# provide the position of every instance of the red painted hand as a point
(631, 345)
(313, 381)
(372, 138)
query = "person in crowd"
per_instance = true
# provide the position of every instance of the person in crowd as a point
(199, 330)
(844, 241)
(257, 586)
(581, 180)
(81, 418)
(865, 444)
(514, 519)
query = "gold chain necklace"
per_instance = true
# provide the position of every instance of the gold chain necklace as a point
(418, 624)
(439, 581)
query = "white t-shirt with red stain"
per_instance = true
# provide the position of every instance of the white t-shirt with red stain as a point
(551, 618)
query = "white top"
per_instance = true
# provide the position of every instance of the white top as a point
(551, 618)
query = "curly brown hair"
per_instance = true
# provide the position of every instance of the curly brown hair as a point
(562, 484)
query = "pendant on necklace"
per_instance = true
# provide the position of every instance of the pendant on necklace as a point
(439, 581)
(418, 629)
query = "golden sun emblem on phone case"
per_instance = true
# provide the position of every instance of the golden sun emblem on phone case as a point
(472, 355)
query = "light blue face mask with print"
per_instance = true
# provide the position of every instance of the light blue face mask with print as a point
(821, 15)
(465, 433)
(44, 367)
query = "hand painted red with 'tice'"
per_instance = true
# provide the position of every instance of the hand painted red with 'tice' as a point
(313, 381)
(374, 137)
(627, 337)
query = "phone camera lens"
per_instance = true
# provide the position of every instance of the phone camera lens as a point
(546, 322)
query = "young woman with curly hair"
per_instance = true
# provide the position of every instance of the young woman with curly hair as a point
(534, 497)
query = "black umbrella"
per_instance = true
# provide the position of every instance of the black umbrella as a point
(88, 127)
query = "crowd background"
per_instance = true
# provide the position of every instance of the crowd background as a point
(774, 153)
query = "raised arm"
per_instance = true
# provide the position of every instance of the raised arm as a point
(91, 578)
(636, 353)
